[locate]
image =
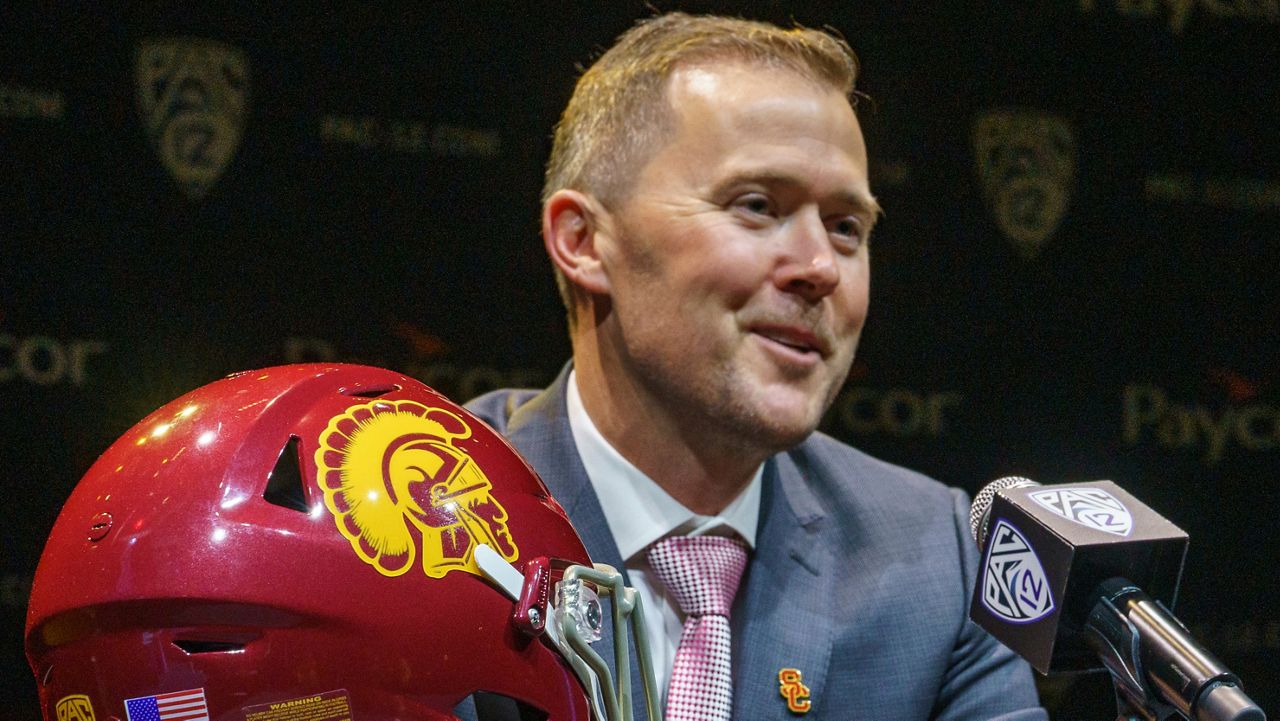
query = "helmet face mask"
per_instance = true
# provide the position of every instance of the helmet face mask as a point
(309, 535)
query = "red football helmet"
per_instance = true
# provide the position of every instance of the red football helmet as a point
(318, 542)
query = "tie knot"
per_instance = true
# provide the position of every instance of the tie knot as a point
(702, 572)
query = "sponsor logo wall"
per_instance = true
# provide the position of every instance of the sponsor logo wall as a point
(1075, 278)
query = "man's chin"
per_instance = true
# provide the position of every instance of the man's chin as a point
(779, 428)
(765, 415)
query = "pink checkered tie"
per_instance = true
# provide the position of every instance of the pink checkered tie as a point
(702, 572)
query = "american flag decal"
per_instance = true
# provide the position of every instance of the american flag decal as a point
(186, 705)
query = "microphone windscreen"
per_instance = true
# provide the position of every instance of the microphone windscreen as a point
(980, 511)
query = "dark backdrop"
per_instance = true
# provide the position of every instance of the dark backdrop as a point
(1074, 280)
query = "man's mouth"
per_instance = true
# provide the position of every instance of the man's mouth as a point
(799, 340)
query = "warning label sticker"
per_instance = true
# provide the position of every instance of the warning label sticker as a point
(328, 706)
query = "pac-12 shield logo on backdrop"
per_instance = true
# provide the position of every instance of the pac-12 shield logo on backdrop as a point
(1014, 586)
(1026, 165)
(389, 469)
(192, 93)
(1091, 507)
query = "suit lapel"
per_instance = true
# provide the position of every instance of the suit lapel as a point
(540, 430)
(783, 619)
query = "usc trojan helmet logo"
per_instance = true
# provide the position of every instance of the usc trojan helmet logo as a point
(390, 468)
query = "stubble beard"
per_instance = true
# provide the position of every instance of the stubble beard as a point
(726, 408)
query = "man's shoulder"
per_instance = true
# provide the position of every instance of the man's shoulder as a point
(849, 479)
(822, 452)
(497, 407)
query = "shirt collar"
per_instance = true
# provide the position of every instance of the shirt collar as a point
(639, 512)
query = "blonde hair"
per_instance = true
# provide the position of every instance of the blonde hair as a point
(619, 113)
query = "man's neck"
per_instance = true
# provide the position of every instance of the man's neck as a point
(700, 471)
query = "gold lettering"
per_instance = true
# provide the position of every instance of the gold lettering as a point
(14, 590)
(1179, 13)
(20, 102)
(80, 352)
(353, 131)
(1136, 8)
(46, 361)
(454, 140)
(1169, 188)
(1218, 192)
(897, 411)
(1273, 635)
(1247, 420)
(1215, 431)
(1259, 195)
(938, 403)
(10, 343)
(1221, 9)
(901, 410)
(1246, 193)
(1254, 427)
(890, 173)
(1177, 429)
(1231, 193)
(409, 136)
(1143, 405)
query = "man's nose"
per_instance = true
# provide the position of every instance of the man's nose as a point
(809, 263)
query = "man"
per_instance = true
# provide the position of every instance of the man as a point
(707, 211)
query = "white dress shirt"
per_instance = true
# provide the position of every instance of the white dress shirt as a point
(639, 512)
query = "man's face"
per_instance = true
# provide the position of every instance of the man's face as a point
(738, 268)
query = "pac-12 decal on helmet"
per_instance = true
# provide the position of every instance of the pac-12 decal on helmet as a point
(1090, 507)
(75, 707)
(389, 466)
(1014, 585)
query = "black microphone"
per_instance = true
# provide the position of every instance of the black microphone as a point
(1061, 583)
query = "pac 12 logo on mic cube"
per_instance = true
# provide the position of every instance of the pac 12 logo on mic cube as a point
(1046, 550)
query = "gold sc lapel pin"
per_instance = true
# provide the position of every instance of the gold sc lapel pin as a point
(792, 688)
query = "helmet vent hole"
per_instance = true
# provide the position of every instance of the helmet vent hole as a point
(285, 487)
(192, 646)
(490, 704)
(370, 391)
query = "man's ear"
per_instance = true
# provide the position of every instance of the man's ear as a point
(574, 225)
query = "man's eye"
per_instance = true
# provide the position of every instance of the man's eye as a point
(847, 230)
(755, 203)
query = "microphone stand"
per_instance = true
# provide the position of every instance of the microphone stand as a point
(1158, 671)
